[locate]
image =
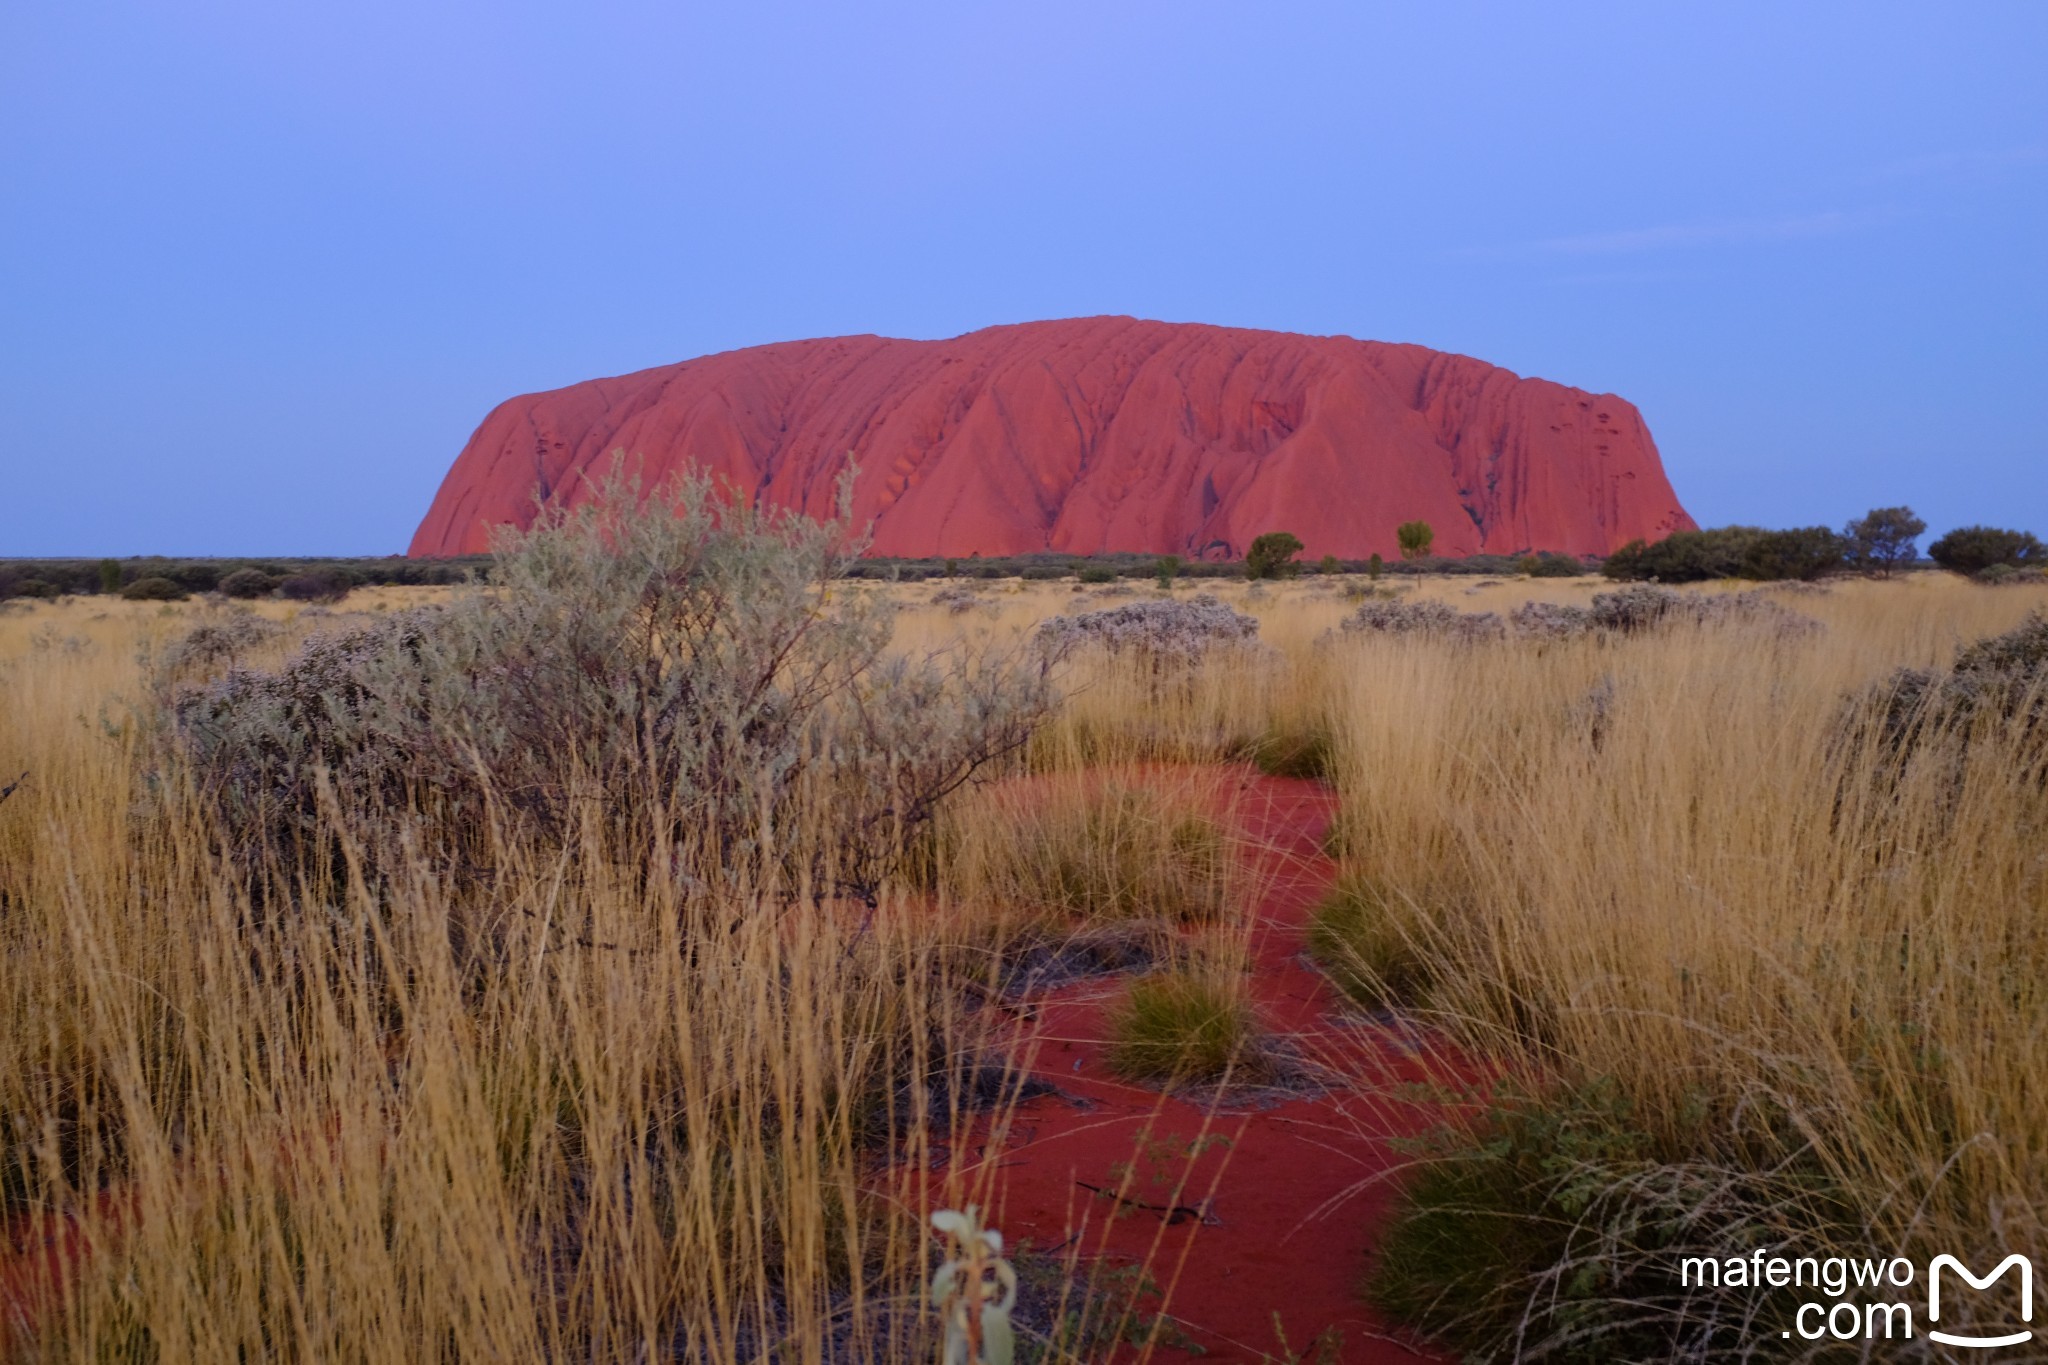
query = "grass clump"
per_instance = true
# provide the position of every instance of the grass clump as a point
(1294, 750)
(1184, 1026)
(1554, 1226)
(1095, 852)
(1364, 939)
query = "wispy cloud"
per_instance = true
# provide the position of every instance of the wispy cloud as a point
(1705, 233)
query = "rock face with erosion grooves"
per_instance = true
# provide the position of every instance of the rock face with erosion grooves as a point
(1095, 435)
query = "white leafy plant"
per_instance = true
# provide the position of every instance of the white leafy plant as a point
(976, 1309)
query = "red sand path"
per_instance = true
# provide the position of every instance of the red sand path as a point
(1292, 1199)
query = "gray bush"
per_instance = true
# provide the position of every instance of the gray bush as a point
(680, 675)
(1549, 620)
(1429, 618)
(1625, 611)
(956, 599)
(222, 639)
(2002, 678)
(1645, 606)
(1162, 631)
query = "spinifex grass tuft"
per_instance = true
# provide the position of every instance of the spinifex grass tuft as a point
(1186, 1025)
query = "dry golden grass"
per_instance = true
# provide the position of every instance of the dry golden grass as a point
(1654, 860)
(684, 1127)
(387, 1159)
(1658, 861)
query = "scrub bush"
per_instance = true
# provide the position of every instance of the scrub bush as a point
(1972, 550)
(320, 585)
(679, 674)
(1180, 632)
(248, 583)
(153, 590)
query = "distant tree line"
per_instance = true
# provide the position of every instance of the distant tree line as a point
(157, 578)
(1881, 542)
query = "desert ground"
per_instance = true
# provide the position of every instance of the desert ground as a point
(1320, 995)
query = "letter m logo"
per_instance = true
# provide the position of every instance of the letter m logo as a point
(2026, 1269)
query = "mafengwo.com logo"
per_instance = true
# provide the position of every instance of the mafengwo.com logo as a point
(1867, 1299)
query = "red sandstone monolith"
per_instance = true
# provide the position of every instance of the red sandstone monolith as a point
(1093, 435)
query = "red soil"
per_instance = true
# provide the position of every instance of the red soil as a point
(1096, 434)
(1291, 1200)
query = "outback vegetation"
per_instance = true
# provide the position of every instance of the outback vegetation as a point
(672, 924)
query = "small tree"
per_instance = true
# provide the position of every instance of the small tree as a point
(1329, 567)
(1973, 549)
(110, 576)
(1269, 555)
(1374, 567)
(1169, 569)
(1415, 539)
(1883, 539)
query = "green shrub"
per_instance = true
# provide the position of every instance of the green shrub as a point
(1097, 573)
(195, 577)
(1557, 566)
(32, 587)
(1804, 553)
(110, 576)
(1167, 570)
(1554, 1227)
(1181, 1026)
(153, 590)
(1973, 549)
(246, 583)
(1366, 941)
(1685, 556)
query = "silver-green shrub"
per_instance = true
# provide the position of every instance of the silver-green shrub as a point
(1164, 631)
(679, 671)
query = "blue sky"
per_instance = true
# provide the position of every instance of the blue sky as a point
(264, 267)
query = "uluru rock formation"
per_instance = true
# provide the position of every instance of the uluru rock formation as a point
(1095, 435)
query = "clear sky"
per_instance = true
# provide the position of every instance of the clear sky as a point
(264, 266)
